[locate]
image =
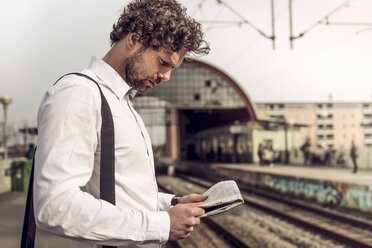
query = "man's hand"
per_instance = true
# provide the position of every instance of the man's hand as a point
(192, 198)
(183, 217)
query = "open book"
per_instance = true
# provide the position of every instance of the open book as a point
(222, 196)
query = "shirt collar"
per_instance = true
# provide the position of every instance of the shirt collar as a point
(111, 78)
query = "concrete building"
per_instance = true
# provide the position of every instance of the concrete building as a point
(331, 124)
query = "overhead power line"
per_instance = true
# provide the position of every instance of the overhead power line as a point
(347, 23)
(253, 42)
(245, 21)
(323, 20)
(297, 62)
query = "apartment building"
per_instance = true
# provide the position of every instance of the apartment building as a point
(332, 124)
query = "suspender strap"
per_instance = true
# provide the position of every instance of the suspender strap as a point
(29, 225)
(107, 170)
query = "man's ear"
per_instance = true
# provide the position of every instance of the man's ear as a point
(132, 39)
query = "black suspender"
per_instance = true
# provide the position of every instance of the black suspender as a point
(29, 225)
(107, 170)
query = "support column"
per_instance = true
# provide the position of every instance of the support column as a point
(171, 143)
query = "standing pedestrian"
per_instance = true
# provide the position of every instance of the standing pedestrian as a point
(305, 148)
(260, 153)
(354, 156)
(150, 39)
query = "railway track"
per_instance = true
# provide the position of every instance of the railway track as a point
(344, 229)
(228, 238)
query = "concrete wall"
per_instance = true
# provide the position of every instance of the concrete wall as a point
(334, 193)
(345, 195)
(5, 180)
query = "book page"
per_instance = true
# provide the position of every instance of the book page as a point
(222, 192)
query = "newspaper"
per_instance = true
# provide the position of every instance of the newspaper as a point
(222, 197)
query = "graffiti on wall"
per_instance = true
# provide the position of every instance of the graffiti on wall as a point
(325, 192)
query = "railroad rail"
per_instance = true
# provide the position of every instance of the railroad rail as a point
(230, 237)
(344, 229)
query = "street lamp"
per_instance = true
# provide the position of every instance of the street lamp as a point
(5, 101)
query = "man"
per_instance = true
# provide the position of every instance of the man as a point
(305, 148)
(150, 38)
(354, 156)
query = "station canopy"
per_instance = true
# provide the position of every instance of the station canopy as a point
(203, 93)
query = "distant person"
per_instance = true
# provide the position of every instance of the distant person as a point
(354, 156)
(270, 149)
(305, 148)
(260, 153)
(30, 152)
(268, 154)
(327, 156)
(149, 40)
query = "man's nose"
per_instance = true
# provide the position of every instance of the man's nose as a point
(165, 75)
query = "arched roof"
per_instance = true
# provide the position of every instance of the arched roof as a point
(230, 81)
(204, 93)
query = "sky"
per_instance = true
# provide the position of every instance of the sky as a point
(42, 40)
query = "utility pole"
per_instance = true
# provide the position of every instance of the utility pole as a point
(5, 100)
(273, 23)
(290, 24)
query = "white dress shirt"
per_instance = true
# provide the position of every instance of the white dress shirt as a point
(66, 189)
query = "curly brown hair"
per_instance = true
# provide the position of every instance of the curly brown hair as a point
(160, 23)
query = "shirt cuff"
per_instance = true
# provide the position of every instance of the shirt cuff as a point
(159, 226)
(165, 200)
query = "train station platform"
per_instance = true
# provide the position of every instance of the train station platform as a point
(12, 207)
(326, 185)
(310, 172)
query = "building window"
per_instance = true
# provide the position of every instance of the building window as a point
(345, 136)
(196, 97)
(344, 125)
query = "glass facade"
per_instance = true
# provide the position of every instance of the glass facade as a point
(196, 98)
(191, 87)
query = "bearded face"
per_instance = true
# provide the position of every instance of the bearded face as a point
(146, 67)
(136, 73)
